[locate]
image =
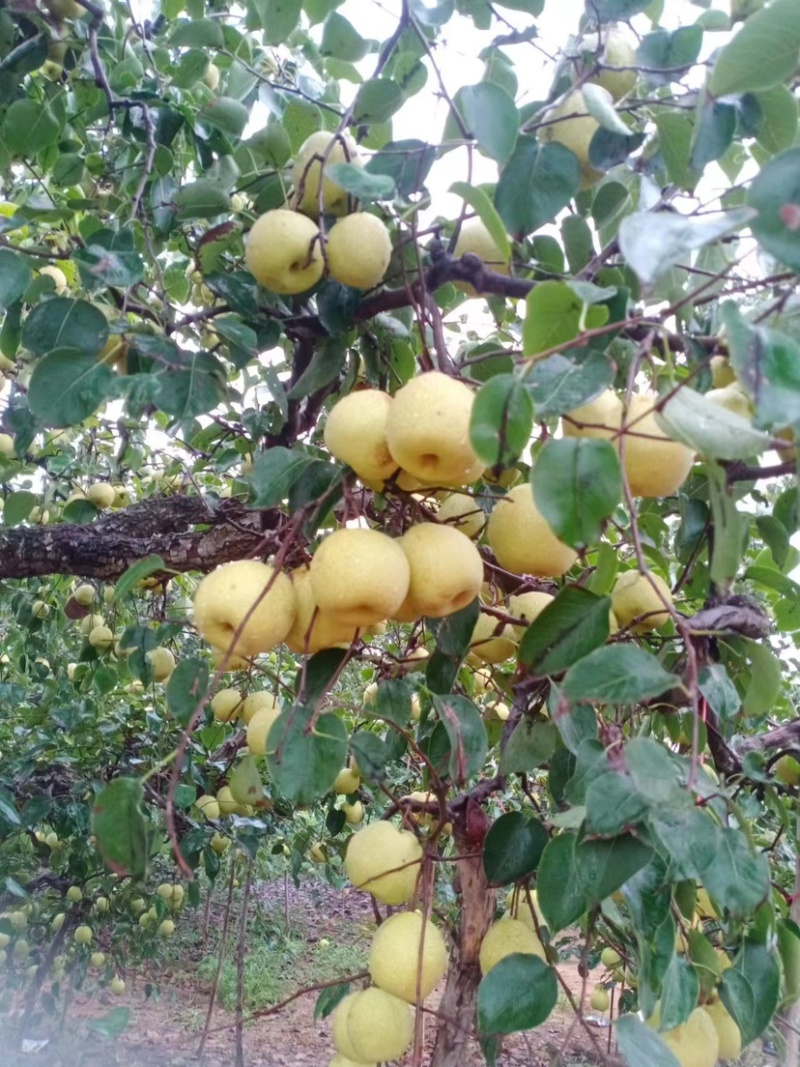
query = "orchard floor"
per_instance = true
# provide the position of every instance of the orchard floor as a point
(165, 1029)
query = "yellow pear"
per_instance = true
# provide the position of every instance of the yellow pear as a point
(89, 622)
(492, 640)
(311, 632)
(728, 1033)
(359, 250)
(355, 433)
(655, 465)
(162, 663)
(384, 861)
(733, 398)
(101, 494)
(380, 1027)
(6, 444)
(617, 51)
(519, 907)
(694, 1043)
(258, 729)
(347, 782)
(463, 513)
(568, 122)
(226, 705)
(601, 417)
(634, 597)
(341, 1038)
(360, 576)
(344, 1061)
(427, 430)
(506, 937)
(446, 570)
(84, 595)
(308, 168)
(528, 606)
(245, 589)
(101, 637)
(407, 955)
(283, 252)
(722, 373)
(56, 273)
(208, 806)
(262, 700)
(599, 999)
(474, 238)
(521, 538)
(353, 813)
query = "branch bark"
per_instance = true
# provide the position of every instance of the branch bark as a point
(186, 531)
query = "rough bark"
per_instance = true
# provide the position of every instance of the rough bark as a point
(456, 1020)
(185, 531)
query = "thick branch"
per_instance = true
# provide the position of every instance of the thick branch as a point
(164, 526)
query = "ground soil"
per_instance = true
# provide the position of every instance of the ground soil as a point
(165, 1029)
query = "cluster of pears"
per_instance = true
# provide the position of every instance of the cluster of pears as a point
(408, 955)
(287, 253)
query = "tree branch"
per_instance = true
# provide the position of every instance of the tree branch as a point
(164, 526)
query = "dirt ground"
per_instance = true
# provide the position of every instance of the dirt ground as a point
(165, 1030)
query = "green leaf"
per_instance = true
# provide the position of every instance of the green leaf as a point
(612, 10)
(679, 992)
(750, 990)
(18, 507)
(315, 678)
(274, 473)
(279, 18)
(778, 127)
(407, 162)
(766, 679)
(480, 202)
(738, 878)
(101, 266)
(393, 701)
(767, 363)
(559, 894)
(601, 867)
(654, 241)
(360, 182)
(28, 127)
(513, 847)
(662, 50)
(518, 993)
(560, 384)
(612, 803)
(376, 101)
(569, 628)
(121, 828)
(709, 428)
(502, 421)
(202, 33)
(202, 199)
(531, 745)
(372, 754)
(640, 1045)
(186, 687)
(143, 568)
(15, 277)
(675, 142)
(68, 386)
(618, 674)
(341, 39)
(112, 1023)
(453, 635)
(222, 113)
(63, 323)
(303, 760)
(326, 363)
(328, 999)
(577, 484)
(764, 52)
(775, 194)
(466, 733)
(245, 783)
(431, 12)
(490, 116)
(714, 127)
(554, 315)
(537, 182)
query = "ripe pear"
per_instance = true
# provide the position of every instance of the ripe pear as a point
(568, 122)
(722, 373)
(347, 782)
(39, 609)
(56, 273)
(733, 398)
(728, 1033)
(380, 1027)
(506, 937)
(308, 168)
(226, 705)
(599, 999)
(407, 954)
(493, 641)
(162, 663)
(427, 430)
(528, 606)
(6, 444)
(89, 622)
(84, 595)
(101, 494)
(166, 928)
(220, 844)
(312, 628)
(609, 957)
(601, 418)
(101, 637)
(283, 252)
(519, 907)
(474, 238)
(83, 935)
(258, 730)
(617, 52)
(355, 433)
(522, 540)
(385, 862)
(353, 813)
(208, 806)
(225, 598)
(694, 1043)
(211, 77)
(261, 700)
(359, 250)
(463, 513)
(117, 986)
(655, 465)
(787, 770)
(97, 959)
(446, 570)
(228, 805)
(634, 597)
(360, 576)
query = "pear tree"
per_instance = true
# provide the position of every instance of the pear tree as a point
(398, 486)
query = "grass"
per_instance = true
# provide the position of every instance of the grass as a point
(269, 961)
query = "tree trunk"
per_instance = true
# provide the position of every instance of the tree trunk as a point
(456, 1021)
